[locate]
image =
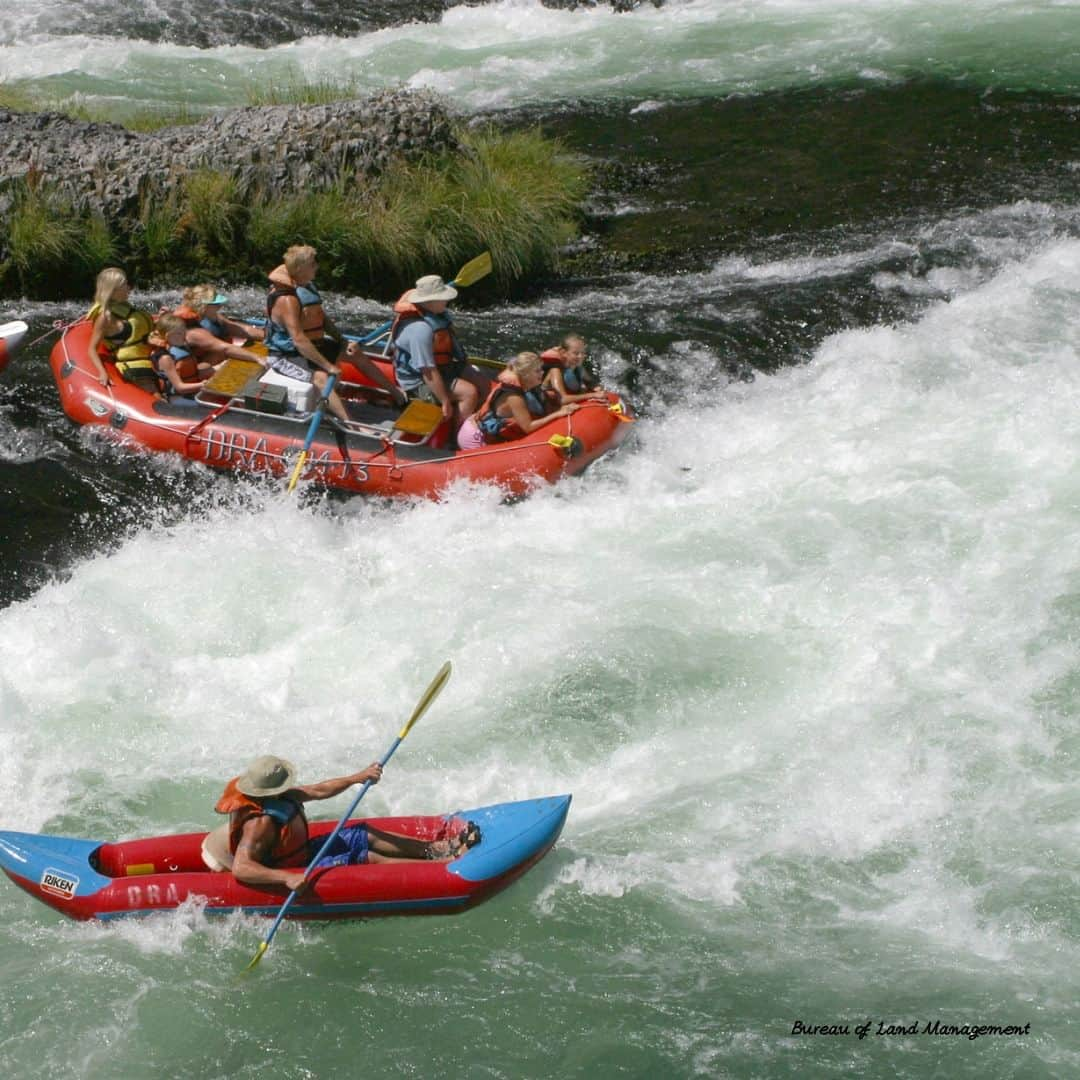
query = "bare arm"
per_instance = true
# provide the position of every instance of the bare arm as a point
(525, 419)
(437, 384)
(327, 789)
(556, 381)
(364, 363)
(249, 863)
(95, 341)
(288, 307)
(168, 368)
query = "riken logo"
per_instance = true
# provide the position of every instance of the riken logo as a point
(58, 883)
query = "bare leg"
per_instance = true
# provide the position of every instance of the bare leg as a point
(393, 847)
(333, 402)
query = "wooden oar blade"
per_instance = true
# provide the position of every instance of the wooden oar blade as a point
(430, 694)
(263, 946)
(474, 270)
(298, 468)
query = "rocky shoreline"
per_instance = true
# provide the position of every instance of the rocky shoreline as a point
(275, 149)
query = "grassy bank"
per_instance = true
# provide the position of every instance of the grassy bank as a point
(517, 194)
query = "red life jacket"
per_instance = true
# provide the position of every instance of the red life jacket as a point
(291, 845)
(443, 343)
(552, 358)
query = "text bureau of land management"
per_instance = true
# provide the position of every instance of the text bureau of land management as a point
(917, 1027)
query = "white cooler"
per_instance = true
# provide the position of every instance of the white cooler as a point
(303, 396)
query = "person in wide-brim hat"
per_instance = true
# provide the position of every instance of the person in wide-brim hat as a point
(429, 362)
(266, 839)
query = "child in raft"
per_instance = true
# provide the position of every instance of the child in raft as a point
(181, 372)
(505, 414)
(565, 376)
(124, 330)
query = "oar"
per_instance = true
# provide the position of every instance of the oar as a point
(469, 274)
(430, 694)
(298, 468)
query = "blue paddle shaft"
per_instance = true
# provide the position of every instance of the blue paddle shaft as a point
(326, 843)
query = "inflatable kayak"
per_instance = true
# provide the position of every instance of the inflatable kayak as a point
(11, 334)
(88, 879)
(251, 420)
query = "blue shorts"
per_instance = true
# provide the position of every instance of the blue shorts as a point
(350, 847)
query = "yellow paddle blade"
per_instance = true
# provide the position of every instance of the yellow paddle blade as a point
(561, 442)
(483, 361)
(263, 945)
(430, 694)
(297, 470)
(474, 270)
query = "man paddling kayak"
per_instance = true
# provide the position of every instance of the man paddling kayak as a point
(265, 841)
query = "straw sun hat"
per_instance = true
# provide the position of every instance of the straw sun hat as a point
(266, 776)
(428, 288)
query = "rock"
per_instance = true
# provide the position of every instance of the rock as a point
(282, 148)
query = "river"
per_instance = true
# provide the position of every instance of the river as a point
(803, 650)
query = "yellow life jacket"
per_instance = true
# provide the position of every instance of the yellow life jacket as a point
(130, 348)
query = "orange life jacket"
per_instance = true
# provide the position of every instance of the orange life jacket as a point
(443, 344)
(291, 845)
(312, 316)
(493, 427)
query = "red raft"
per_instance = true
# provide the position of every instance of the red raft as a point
(11, 335)
(88, 879)
(237, 425)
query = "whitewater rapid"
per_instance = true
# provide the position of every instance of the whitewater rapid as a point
(826, 615)
(518, 53)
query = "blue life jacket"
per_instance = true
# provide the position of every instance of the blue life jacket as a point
(278, 338)
(216, 328)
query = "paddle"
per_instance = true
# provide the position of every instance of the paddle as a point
(430, 694)
(469, 274)
(316, 416)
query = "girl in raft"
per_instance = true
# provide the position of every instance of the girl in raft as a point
(505, 414)
(180, 371)
(565, 376)
(122, 329)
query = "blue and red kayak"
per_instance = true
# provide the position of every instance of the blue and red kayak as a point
(89, 879)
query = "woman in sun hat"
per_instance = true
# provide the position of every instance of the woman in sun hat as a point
(265, 841)
(429, 362)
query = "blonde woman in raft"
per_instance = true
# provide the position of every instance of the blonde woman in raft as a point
(209, 334)
(505, 414)
(121, 328)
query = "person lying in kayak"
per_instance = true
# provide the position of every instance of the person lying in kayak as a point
(265, 841)
(506, 414)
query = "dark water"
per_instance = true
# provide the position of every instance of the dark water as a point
(732, 235)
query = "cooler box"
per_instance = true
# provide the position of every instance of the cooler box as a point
(262, 397)
(303, 396)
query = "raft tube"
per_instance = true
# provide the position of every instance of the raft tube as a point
(89, 879)
(371, 456)
(11, 335)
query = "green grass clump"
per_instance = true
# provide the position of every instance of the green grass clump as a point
(50, 246)
(215, 214)
(300, 91)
